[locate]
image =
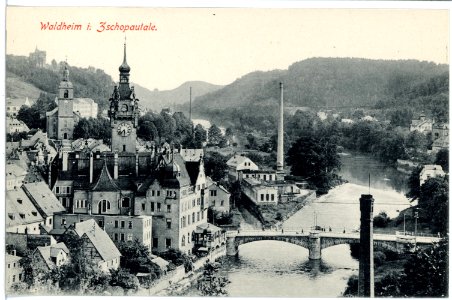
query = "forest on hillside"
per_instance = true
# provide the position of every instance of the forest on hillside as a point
(88, 82)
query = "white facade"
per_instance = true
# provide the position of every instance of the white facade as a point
(85, 107)
(13, 126)
(430, 171)
(238, 163)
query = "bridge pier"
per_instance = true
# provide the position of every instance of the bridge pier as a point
(231, 248)
(315, 250)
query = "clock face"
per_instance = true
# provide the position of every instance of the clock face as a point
(124, 129)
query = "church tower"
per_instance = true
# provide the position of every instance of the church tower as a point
(65, 107)
(123, 112)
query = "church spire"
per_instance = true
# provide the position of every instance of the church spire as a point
(65, 72)
(124, 68)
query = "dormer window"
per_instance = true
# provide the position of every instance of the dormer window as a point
(34, 213)
(22, 215)
(11, 216)
(19, 201)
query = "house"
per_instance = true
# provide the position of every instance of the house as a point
(422, 125)
(51, 256)
(219, 197)
(261, 193)
(22, 216)
(119, 227)
(90, 144)
(13, 270)
(13, 105)
(440, 135)
(14, 126)
(208, 237)
(44, 200)
(97, 245)
(15, 176)
(238, 163)
(430, 171)
(85, 107)
(264, 175)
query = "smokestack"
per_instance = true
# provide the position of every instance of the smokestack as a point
(91, 167)
(136, 163)
(115, 168)
(366, 248)
(280, 154)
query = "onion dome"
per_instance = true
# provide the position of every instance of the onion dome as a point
(124, 67)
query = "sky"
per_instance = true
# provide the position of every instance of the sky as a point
(219, 45)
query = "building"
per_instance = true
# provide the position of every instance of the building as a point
(238, 163)
(50, 257)
(60, 121)
(119, 228)
(422, 125)
(90, 144)
(21, 214)
(97, 245)
(219, 197)
(13, 105)
(123, 185)
(37, 58)
(440, 135)
(15, 176)
(13, 270)
(430, 171)
(264, 175)
(14, 126)
(261, 193)
(208, 237)
(44, 200)
(85, 107)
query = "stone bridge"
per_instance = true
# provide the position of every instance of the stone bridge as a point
(315, 241)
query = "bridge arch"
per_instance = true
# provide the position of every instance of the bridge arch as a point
(300, 241)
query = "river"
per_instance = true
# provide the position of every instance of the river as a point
(278, 269)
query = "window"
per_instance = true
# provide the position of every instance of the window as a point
(193, 217)
(123, 224)
(158, 193)
(123, 148)
(183, 241)
(116, 236)
(265, 177)
(222, 202)
(197, 216)
(57, 189)
(130, 225)
(189, 220)
(168, 223)
(189, 237)
(155, 242)
(103, 206)
(64, 202)
(63, 221)
(116, 224)
(168, 243)
(273, 197)
(101, 223)
(267, 197)
(213, 193)
(193, 203)
(159, 207)
(126, 202)
(152, 206)
(152, 193)
(22, 215)
(143, 206)
(199, 201)
(262, 197)
(168, 208)
(66, 94)
(122, 236)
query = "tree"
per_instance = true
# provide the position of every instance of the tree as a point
(427, 272)
(215, 135)
(414, 184)
(314, 158)
(442, 159)
(95, 128)
(200, 136)
(381, 220)
(135, 257)
(211, 284)
(124, 279)
(434, 203)
(215, 166)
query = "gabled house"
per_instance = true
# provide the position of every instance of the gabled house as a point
(238, 163)
(50, 257)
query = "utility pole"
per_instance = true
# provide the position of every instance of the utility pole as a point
(366, 252)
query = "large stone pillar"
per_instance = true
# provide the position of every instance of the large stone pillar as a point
(280, 152)
(366, 248)
(315, 250)
(231, 248)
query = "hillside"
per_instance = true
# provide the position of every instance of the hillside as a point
(88, 82)
(156, 99)
(317, 82)
(17, 88)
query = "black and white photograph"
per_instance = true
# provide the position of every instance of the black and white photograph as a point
(296, 152)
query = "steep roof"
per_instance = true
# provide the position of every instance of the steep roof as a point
(43, 198)
(104, 182)
(237, 160)
(193, 170)
(20, 210)
(15, 170)
(47, 252)
(99, 238)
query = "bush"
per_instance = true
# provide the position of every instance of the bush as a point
(381, 220)
(379, 258)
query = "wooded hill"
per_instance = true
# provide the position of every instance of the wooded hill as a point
(333, 82)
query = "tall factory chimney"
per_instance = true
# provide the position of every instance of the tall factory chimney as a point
(280, 154)
(366, 248)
